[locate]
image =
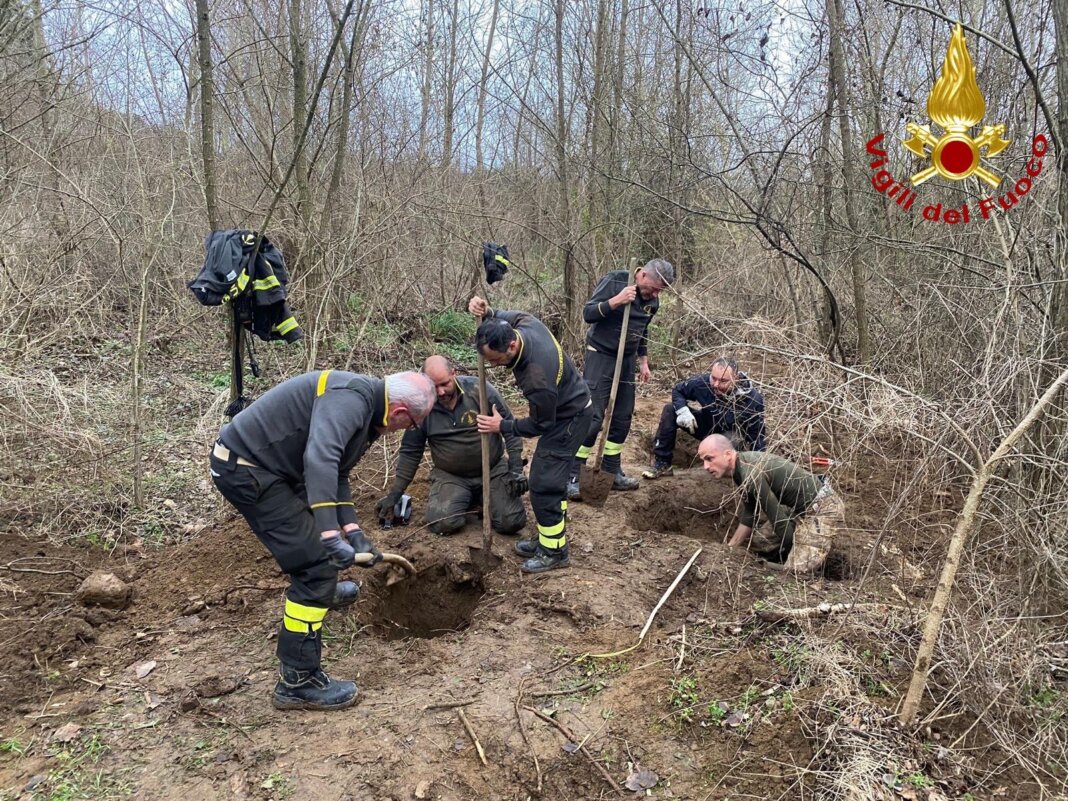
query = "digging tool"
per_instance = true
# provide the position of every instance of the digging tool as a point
(594, 483)
(495, 262)
(392, 559)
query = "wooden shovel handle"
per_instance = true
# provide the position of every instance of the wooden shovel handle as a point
(610, 408)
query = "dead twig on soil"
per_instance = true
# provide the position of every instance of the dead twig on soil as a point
(549, 693)
(448, 705)
(581, 747)
(472, 735)
(523, 732)
(652, 615)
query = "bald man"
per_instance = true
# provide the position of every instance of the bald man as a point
(456, 450)
(803, 512)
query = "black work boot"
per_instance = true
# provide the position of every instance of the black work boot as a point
(311, 689)
(658, 470)
(624, 483)
(545, 559)
(573, 491)
(527, 548)
(345, 594)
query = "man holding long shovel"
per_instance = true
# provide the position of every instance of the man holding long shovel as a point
(619, 313)
(559, 415)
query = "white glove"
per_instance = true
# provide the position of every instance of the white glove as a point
(684, 417)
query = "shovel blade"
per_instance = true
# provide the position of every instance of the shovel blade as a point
(484, 560)
(594, 484)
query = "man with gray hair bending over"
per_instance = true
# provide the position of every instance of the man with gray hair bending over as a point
(284, 464)
(803, 512)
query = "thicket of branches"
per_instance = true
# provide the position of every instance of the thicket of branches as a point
(728, 138)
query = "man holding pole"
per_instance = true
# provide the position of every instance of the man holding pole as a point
(604, 312)
(559, 415)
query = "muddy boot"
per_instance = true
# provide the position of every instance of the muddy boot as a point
(573, 491)
(345, 594)
(527, 548)
(311, 689)
(658, 470)
(624, 483)
(544, 559)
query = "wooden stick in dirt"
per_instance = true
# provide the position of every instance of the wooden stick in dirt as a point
(483, 409)
(609, 410)
(571, 737)
(523, 731)
(652, 615)
(448, 705)
(956, 546)
(471, 734)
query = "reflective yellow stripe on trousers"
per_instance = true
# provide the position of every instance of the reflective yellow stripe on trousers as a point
(303, 619)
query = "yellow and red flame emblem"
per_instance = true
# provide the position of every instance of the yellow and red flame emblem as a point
(956, 104)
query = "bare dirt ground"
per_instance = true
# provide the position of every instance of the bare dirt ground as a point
(717, 703)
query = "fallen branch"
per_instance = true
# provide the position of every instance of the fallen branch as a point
(549, 693)
(523, 732)
(448, 705)
(581, 747)
(652, 615)
(471, 734)
(825, 609)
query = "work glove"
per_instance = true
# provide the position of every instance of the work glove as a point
(339, 551)
(517, 483)
(360, 544)
(684, 417)
(385, 505)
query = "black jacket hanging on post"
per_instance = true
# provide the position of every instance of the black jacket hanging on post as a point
(259, 298)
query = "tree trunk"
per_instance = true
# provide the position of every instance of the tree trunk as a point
(207, 111)
(1059, 304)
(571, 288)
(450, 90)
(298, 53)
(841, 90)
(480, 114)
(428, 69)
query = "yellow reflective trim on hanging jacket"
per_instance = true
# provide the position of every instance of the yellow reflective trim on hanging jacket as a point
(286, 325)
(321, 386)
(270, 282)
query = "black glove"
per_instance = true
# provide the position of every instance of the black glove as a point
(517, 483)
(341, 553)
(385, 505)
(360, 544)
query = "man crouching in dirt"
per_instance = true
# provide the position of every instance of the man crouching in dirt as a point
(726, 401)
(456, 449)
(560, 415)
(803, 513)
(284, 463)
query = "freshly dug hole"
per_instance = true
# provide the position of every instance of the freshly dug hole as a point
(689, 503)
(439, 600)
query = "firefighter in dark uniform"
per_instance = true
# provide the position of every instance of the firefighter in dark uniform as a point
(456, 449)
(604, 313)
(284, 462)
(560, 415)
